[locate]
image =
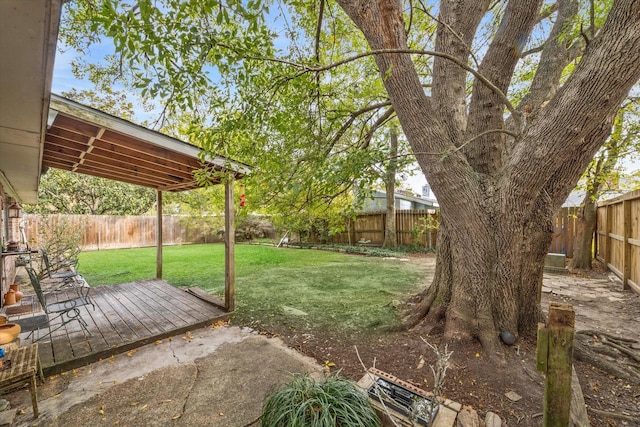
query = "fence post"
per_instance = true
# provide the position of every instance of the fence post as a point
(607, 237)
(626, 248)
(555, 360)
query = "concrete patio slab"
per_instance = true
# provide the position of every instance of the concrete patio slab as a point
(209, 377)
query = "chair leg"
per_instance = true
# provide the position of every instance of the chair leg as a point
(78, 317)
(34, 394)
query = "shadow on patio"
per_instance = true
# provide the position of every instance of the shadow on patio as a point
(126, 316)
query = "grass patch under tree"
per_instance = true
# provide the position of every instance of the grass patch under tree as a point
(274, 285)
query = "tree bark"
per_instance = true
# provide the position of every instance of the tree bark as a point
(497, 200)
(390, 238)
(586, 226)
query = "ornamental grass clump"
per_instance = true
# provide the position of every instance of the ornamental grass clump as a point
(305, 402)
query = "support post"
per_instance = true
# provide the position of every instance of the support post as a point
(555, 360)
(159, 235)
(229, 245)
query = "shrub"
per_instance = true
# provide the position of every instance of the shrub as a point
(305, 402)
(61, 238)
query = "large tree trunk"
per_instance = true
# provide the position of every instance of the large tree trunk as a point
(487, 277)
(390, 237)
(585, 225)
(498, 193)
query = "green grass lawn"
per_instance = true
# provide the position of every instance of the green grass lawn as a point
(334, 289)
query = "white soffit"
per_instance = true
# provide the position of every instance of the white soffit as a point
(28, 36)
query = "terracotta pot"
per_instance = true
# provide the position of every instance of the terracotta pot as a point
(19, 293)
(10, 297)
(9, 332)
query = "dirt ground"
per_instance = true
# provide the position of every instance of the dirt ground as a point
(474, 379)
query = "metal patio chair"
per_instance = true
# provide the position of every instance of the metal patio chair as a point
(63, 278)
(66, 310)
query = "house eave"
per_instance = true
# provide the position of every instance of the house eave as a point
(28, 37)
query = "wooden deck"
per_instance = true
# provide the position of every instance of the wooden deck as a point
(126, 316)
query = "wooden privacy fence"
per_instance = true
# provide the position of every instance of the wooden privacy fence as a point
(618, 238)
(117, 232)
(420, 228)
(413, 227)
(564, 231)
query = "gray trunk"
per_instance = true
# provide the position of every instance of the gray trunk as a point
(390, 238)
(586, 225)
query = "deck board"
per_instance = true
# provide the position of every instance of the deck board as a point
(126, 316)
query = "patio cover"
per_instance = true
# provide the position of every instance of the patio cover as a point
(84, 140)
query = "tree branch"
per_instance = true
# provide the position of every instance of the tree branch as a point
(308, 69)
(532, 51)
(318, 31)
(381, 120)
(350, 120)
(548, 12)
(448, 27)
(487, 132)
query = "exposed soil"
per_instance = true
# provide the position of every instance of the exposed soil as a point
(478, 380)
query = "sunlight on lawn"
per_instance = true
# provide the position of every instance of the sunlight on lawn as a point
(293, 287)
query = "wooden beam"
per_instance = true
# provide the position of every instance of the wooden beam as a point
(159, 236)
(229, 245)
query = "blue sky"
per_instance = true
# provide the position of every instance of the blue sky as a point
(64, 80)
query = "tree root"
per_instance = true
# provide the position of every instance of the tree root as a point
(611, 346)
(593, 332)
(615, 415)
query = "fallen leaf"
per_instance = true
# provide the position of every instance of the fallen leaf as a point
(175, 417)
(21, 412)
(134, 403)
(158, 342)
(144, 406)
(420, 363)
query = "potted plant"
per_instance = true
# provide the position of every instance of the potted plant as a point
(306, 402)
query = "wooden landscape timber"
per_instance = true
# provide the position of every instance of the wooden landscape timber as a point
(555, 360)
